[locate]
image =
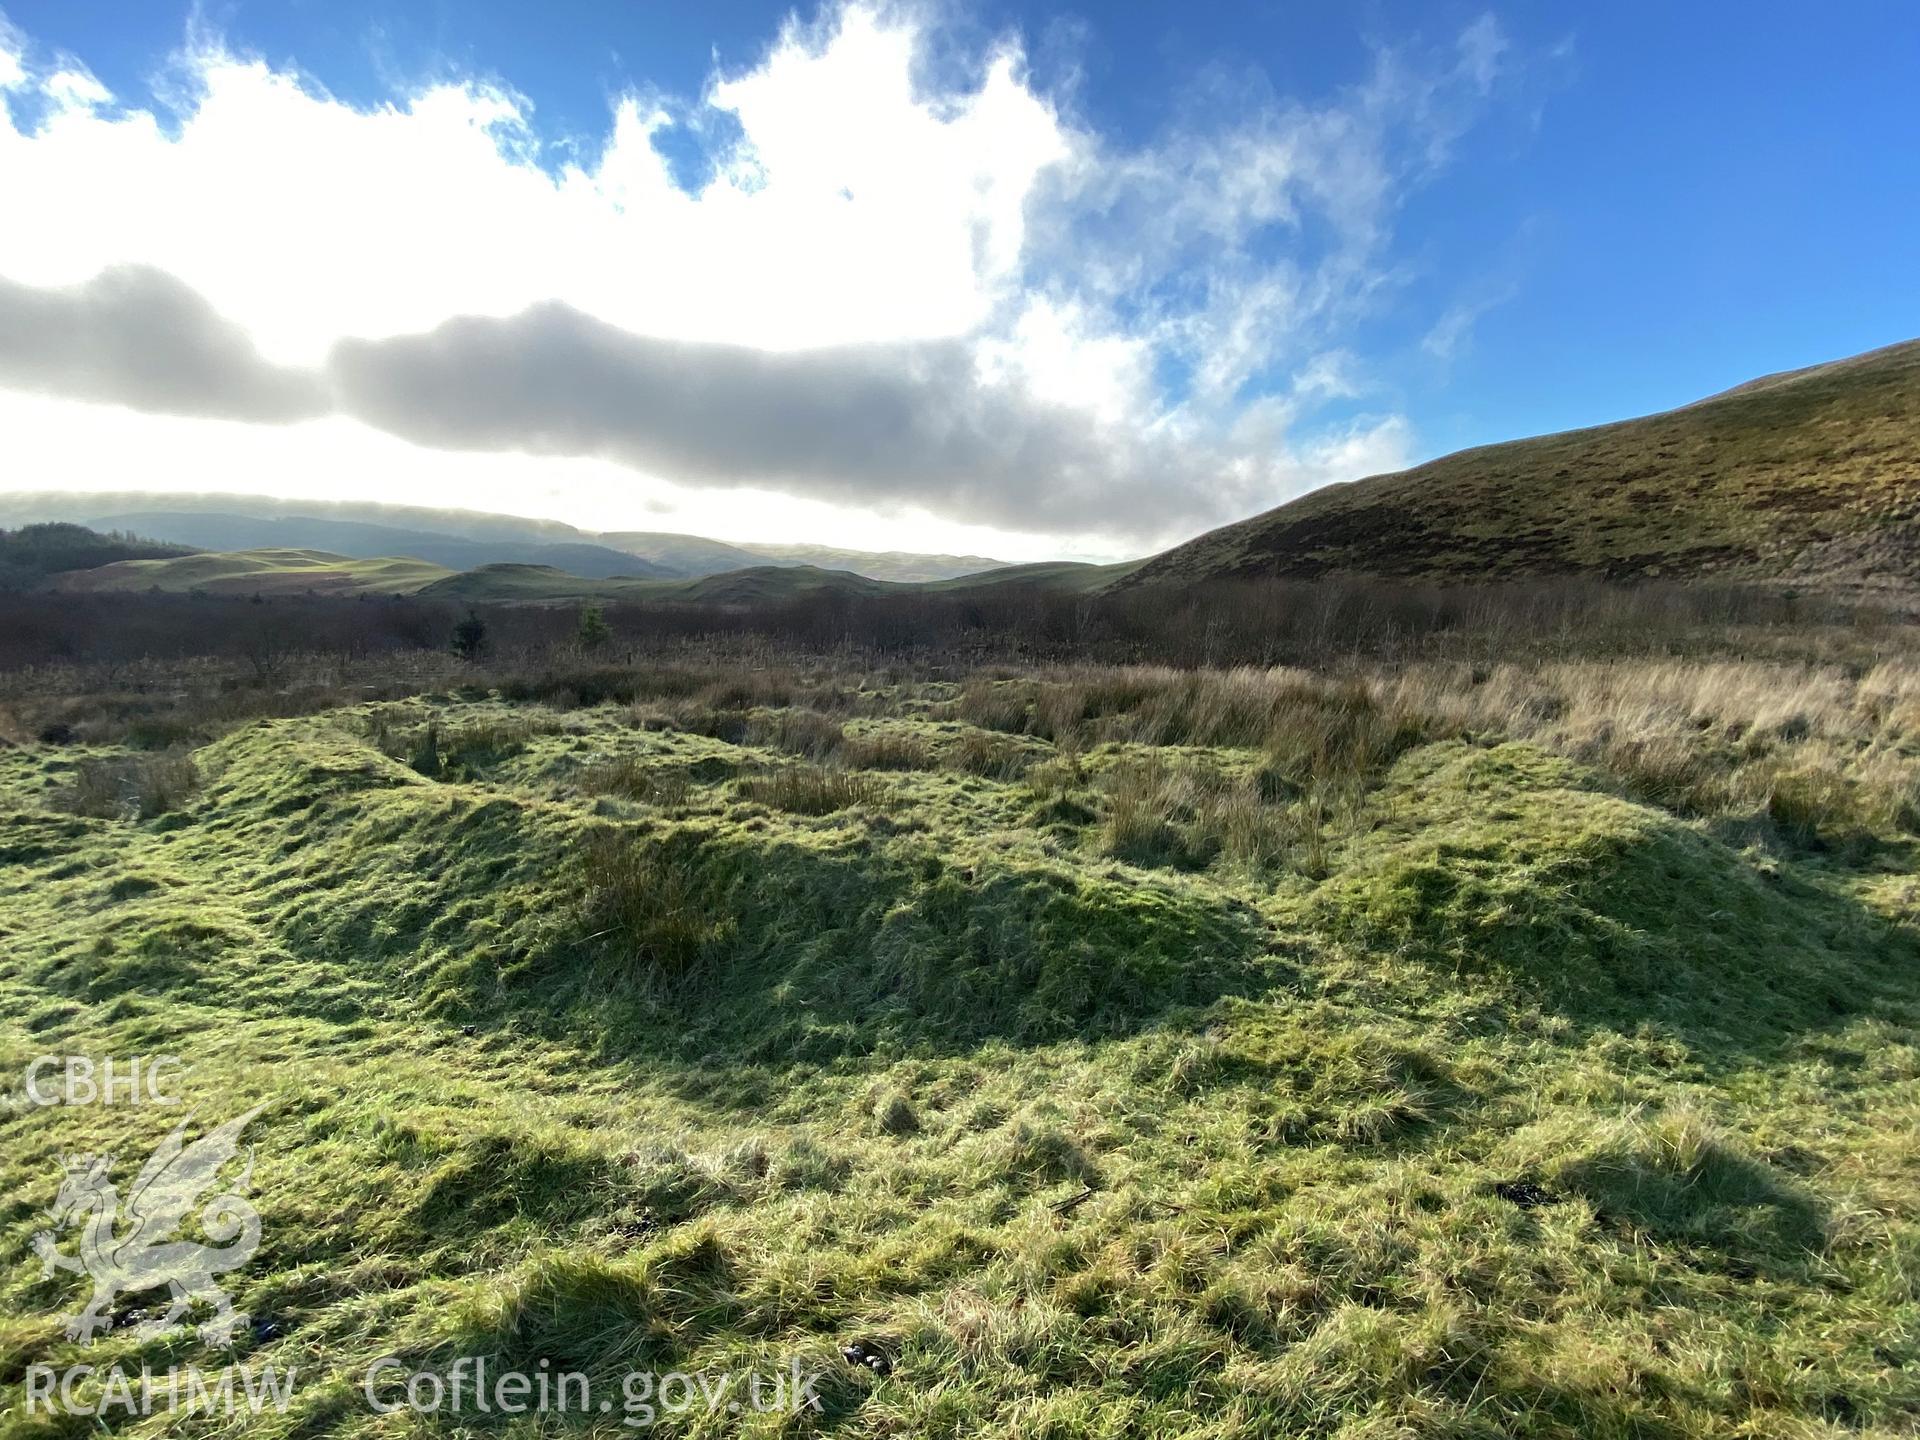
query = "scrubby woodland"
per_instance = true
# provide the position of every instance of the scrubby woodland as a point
(31, 553)
(1287, 1011)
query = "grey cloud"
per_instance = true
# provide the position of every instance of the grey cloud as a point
(867, 424)
(138, 337)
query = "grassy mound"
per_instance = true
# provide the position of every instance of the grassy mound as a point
(1511, 861)
(491, 904)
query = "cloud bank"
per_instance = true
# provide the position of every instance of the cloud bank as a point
(135, 336)
(965, 304)
(905, 422)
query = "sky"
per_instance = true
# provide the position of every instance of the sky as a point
(1010, 279)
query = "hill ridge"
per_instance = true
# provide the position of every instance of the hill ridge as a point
(1810, 475)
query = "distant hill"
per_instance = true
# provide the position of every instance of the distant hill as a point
(1809, 476)
(538, 584)
(1075, 576)
(457, 539)
(32, 553)
(534, 584)
(780, 582)
(265, 572)
(688, 556)
(896, 565)
(696, 555)
(212, 530)
(292, 569)
(19, 507)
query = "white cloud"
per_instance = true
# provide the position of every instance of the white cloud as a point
(1031, 284)
(1263, 230)
(13, 73)
(1452, 334)
(853, 211)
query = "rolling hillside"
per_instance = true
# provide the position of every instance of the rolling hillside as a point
(542, 584)
(695, 555)
(683, 555)
(752, 585)
(455, 539)
(1076, 576)
(298, 570)
(536, 585)
(361, 541)
(258, 571)
(1812, 476)
(903, 567)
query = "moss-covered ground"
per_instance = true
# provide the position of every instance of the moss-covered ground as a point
(1116, 1052)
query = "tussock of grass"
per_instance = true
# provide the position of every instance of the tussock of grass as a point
(813, 790)
(130, 787)
(797, 732)
(632, 778)
(980, 753)
(887, 750)
(1189, 815)
(1714, 739)
(651, 909)
(1153, 817)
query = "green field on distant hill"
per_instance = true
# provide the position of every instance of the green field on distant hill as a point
(262, 571)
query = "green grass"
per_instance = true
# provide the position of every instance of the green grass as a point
(245, 572)
(1120, 1051)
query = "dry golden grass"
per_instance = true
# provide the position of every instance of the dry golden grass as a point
(1817, 749)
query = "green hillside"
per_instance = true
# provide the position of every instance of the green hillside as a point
(261, 571)
(686, 555)
(764, 583)
(1072, 576)
(289, 570)
(1812, 476)
(755, 585)
(898, 566)
(542, 584)
(535, 584)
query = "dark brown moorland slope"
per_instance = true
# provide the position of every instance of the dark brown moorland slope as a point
(1810, 477)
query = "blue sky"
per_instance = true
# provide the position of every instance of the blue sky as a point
(1228, 251)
